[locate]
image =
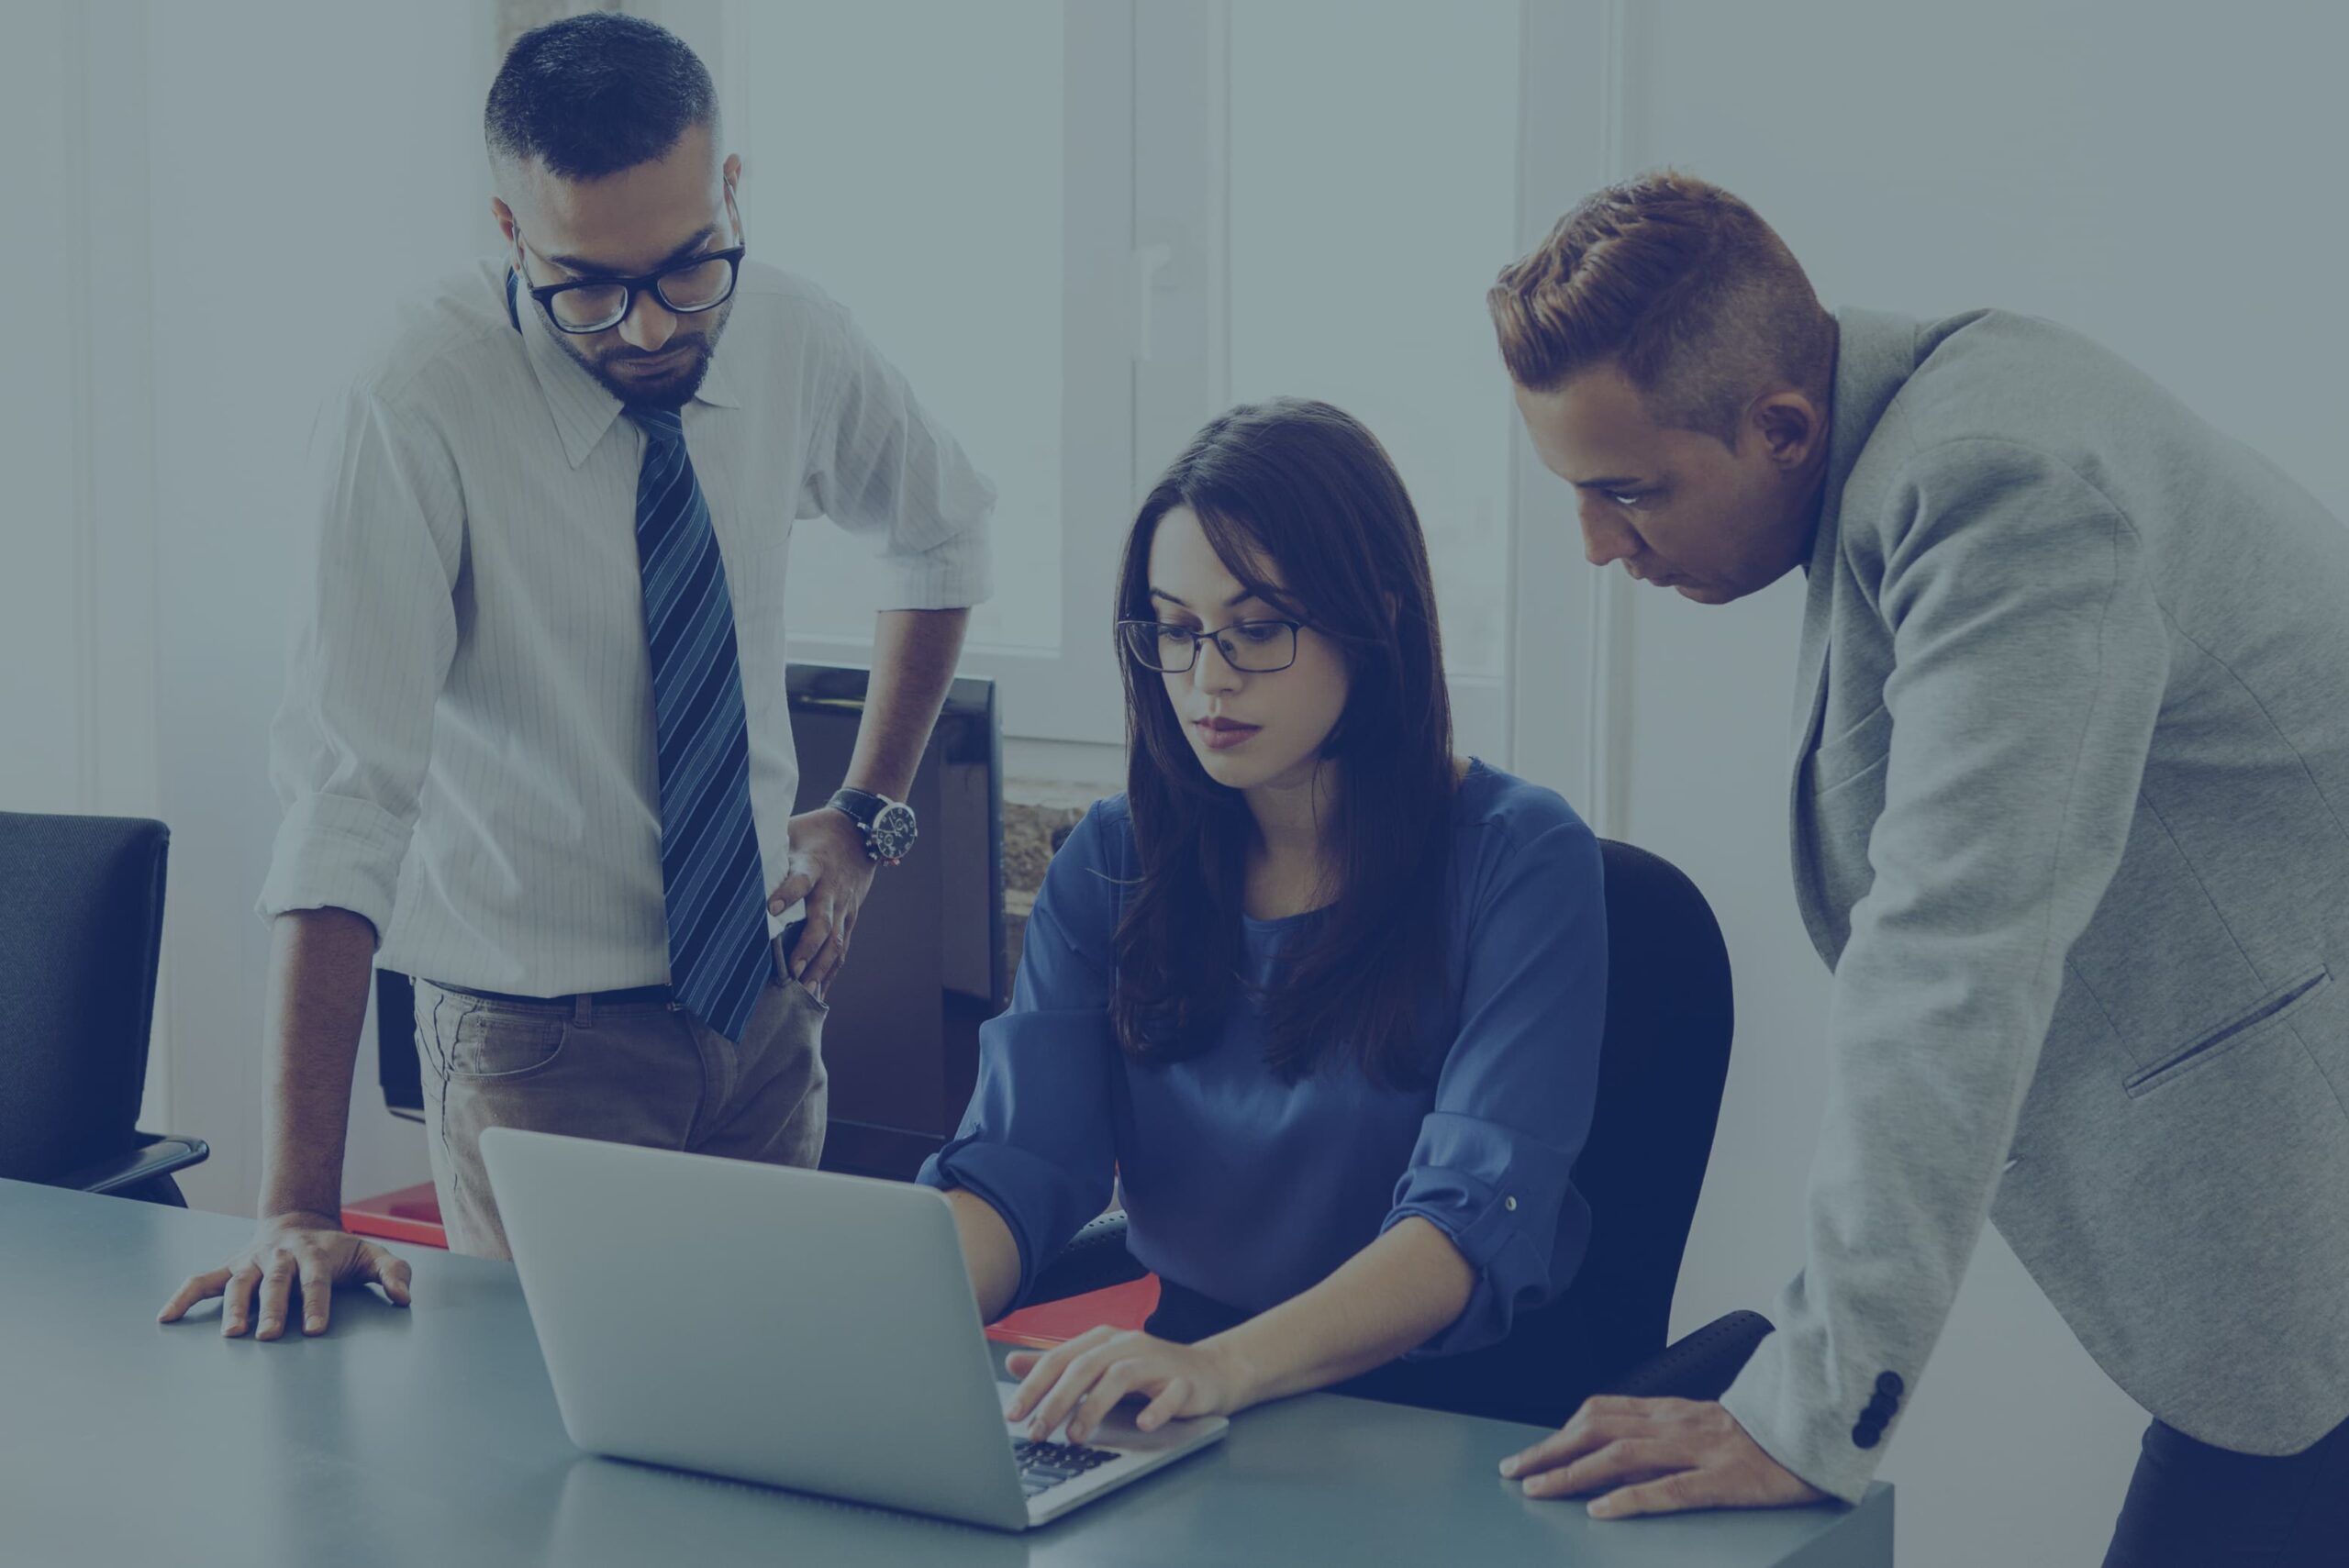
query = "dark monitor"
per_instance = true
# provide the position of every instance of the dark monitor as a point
(926, 968)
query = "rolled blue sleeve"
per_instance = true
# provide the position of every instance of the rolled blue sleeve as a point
(1493, 1165)
(1037, 1142)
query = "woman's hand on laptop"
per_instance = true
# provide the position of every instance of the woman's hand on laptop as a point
(291, 1252)
(1082, 1381)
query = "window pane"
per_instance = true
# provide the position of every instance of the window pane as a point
(907, 159)
(1374, 198)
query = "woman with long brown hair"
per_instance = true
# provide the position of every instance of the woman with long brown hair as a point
(1324, 997)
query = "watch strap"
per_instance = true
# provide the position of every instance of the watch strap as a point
(860, 806)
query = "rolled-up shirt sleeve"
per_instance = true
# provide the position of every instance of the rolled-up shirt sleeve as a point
(1493, 1166)
(1036, 1142)
(882, 468)
(374, 635)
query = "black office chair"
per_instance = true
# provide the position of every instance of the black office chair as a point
(81, 933)
(1663, 1062)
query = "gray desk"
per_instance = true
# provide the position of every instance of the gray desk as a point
(432, 1435)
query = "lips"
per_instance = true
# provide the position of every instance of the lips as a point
(666, 359)
(1222, 734)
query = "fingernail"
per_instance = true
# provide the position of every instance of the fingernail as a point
(1602, 1508)
(314, 1323)
(1509, 1466)
(774, 905)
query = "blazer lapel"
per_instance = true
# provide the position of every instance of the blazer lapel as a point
(1811, 662)
(1876, 353)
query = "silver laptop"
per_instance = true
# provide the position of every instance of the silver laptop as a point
(788, 1326)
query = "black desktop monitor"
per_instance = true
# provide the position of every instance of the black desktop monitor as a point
(926, 967)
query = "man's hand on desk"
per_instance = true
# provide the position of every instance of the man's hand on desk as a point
(303, 1251)
(1657, 1456)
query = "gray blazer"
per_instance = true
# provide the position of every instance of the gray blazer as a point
(2071, 827)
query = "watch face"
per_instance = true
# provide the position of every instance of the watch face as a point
(892, 833)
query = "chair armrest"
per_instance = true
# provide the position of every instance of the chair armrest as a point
(1094, 1259)
(1700, 1366)
(157, 1157)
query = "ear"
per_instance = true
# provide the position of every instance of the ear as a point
(1791, 426)
(733, 176)
(506, 226)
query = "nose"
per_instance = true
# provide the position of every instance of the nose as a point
(649, 325)
(1605, 540)
(1213, 674)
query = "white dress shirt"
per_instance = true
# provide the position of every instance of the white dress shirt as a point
(466, 752)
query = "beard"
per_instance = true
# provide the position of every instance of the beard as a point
(674, 389)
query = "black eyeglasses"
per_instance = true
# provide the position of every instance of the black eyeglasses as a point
(598, 305)
(1252, 647)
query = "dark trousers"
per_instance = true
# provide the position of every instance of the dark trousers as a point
(2192, 1506)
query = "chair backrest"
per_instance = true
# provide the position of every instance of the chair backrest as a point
(80, 932)
(1661, 1067)
(397, 1067)
(1663, 1057)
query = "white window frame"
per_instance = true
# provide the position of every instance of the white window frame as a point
(1569, 641)
(1145, 362)
(1182, 65)
(1070, 692)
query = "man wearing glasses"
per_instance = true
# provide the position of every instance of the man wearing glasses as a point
(535, 743)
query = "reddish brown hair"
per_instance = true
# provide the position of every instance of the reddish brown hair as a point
(1680, 283)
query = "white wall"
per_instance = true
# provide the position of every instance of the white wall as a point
(2164, 178)
(309, 163)
(77, 583)
(41, 603)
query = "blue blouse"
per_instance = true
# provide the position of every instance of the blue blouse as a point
(1248, 1189)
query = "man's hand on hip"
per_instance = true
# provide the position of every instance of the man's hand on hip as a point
(1657, 1456)
(290, 1251)
(831, 869)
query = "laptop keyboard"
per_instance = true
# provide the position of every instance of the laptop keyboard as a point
(1043, 1467)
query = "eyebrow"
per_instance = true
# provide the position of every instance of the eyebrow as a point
(594, 270)
(1242, 597)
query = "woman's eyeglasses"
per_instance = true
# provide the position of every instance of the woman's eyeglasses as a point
(1252, 647)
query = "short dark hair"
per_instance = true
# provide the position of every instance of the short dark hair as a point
(1304, 488)
(1680, 283)
(593, 94)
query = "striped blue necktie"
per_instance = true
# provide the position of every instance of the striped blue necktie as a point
(719, 958)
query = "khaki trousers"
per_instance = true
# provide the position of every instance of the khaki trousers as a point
(646, 1074)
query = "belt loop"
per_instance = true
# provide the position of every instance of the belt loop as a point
(583, 1010)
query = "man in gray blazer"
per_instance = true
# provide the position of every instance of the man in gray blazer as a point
(2071, 829)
